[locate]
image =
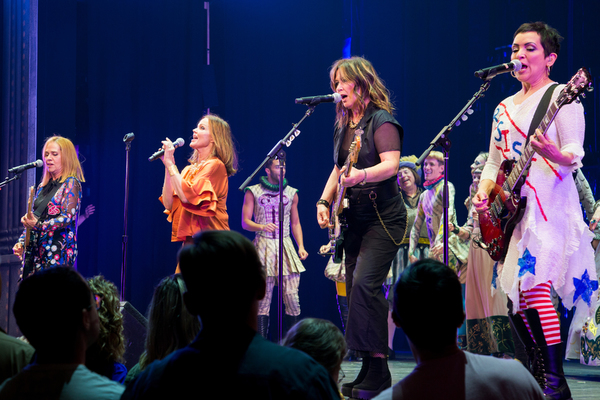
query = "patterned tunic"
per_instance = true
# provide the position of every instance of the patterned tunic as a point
(54, 238)
(266, 210)
(551, 242)
(431, 210)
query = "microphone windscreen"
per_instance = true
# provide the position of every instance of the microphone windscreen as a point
(179, 142)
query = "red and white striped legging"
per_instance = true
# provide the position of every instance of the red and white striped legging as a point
(539, 298)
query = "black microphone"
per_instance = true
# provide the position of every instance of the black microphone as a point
(314, 100)
(21, 168)
(489, 73)
(178, 143)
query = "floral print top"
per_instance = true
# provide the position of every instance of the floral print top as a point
(54, 238)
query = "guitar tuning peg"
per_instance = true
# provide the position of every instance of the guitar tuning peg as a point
(583, 94)
(590, 88)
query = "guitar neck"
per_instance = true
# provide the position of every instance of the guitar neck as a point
(521, 165)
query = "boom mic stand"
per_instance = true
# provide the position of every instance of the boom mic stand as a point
(278, 151)
(444, 142)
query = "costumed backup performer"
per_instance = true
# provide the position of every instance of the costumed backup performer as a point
(550, 246)
(409, 181)
(195, 199)
(262, 201)
(431, 211)
(376, 216)
(53, 221)
(488, 328)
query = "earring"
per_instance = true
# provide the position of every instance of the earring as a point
(548, 69)
(513, 74)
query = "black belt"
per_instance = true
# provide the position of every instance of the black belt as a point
(365, 195)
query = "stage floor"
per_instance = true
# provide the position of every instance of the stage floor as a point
(584, 381)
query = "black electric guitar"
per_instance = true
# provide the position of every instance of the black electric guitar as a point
(506, 206)
(27, 257)
(338, 222)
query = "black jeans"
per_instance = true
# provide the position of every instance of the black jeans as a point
(369, 254)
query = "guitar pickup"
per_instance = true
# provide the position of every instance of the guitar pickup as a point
(346, 203)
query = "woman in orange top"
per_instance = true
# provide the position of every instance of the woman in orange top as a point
(195, 199)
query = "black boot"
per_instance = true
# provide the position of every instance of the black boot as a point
(342, 302)
(290, 320)
(523, 343)
(348, 386)
(550, 374)
(263, 325)
(377, 380)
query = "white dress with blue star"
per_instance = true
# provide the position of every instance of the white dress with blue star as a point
(552, 241)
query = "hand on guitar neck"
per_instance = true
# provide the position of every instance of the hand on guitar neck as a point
(29, 220)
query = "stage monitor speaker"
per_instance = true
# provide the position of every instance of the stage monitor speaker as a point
(135, 325)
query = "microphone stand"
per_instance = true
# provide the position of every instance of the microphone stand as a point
(7, 180)
(127, 139)
(444, 142)
(278, 151)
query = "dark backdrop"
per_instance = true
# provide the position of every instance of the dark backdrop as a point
(109, 67)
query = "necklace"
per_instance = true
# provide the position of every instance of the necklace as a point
(353, 124)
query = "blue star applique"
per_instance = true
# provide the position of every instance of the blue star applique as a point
(495, 275)
(584, 288)
(526, 264)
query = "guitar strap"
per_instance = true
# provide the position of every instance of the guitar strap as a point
(541, 111)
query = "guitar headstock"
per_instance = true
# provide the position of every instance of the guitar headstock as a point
(577, 86)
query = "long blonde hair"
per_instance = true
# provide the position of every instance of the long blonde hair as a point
(223, 149)
(367, 85)
(68, 158)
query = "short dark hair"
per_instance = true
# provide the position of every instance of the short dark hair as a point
(270, 160)
(48, 307)
(428, 294)
(549, 37)
(320, 339)
(217, 257)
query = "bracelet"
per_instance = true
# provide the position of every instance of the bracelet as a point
(173, 170)
(324, 202)
(364, 181)
(456, 230)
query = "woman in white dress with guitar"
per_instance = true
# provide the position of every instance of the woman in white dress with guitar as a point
(550, 244)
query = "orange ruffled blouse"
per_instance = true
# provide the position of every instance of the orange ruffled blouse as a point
(206, 188)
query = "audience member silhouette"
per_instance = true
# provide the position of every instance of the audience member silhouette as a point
(321, 340)
(170, 325)
(15, 354)
(428, 308)
(229, 358)
(105, 356)
(56, 311)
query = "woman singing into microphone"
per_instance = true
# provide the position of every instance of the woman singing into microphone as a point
(195, 199)
(53, 222)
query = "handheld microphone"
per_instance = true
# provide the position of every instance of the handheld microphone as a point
(314, 100)
(21, 168)
(178, 143)
(489, 73)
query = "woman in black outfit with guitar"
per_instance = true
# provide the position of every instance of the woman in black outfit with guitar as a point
(376, 217)
(550, 244)
(52, 224)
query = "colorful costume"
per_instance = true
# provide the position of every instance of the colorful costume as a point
(430, 209)
(54, 238)
(488, 327)
(551, 242)
(266, 210)
(205, 186)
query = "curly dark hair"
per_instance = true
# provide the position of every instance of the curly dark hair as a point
(110, 346)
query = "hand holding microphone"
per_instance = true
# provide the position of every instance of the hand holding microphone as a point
(167, 146)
